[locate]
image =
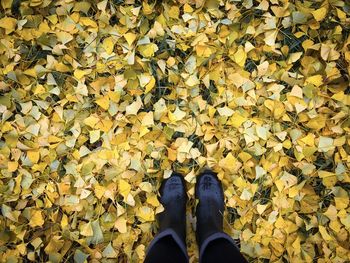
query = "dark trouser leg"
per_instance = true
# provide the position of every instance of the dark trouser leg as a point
(223, 251)
(165, 250)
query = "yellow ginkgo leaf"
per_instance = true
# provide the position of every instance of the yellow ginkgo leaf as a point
(144, 79)
(109, 251)
(87, 22)
(324, 233)
(108, 45)
(177, 115)
(145, 213)
(33, 156)
(124, 188)
(146, 186)
(225, 111)
(79, 74)
(316, 80)
(140, 251)
(9, 24)
(203, 51)
(148, 119)
(148, 50)
(99, 191)
(64, 37)
(150, 85)
(103, 102)
(86, 230)
(240, 57)
(320, 14)
(153, 200)
(120, 225)
(143, 131)
(130, 38)
(91, 121)
(36, 218)
(134, 107)
(174, 12)
(192, 81)
(236, 120)
(12, 166)
(229, 163)
(158, 28)
(270, 37)
(94, 136)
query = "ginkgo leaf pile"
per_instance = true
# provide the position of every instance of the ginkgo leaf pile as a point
(100, 100)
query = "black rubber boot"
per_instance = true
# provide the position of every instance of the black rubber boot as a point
(214, 245)
(169, 245)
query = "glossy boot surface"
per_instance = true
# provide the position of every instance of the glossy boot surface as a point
(214, 245)
(173, 198)
(210, 208)
(169, 245)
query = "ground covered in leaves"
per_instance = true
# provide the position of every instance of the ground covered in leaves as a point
(100, 100)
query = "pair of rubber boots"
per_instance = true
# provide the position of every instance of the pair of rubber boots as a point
(169, 245)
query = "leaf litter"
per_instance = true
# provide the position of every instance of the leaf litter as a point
(101, 100)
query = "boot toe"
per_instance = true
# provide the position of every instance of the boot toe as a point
(173, 188)
(173, 198)
(210, 208)
(208, 185)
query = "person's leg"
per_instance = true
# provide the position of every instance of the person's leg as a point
(166, 250)
(214, 245)
(169, 245)
(223, 251)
